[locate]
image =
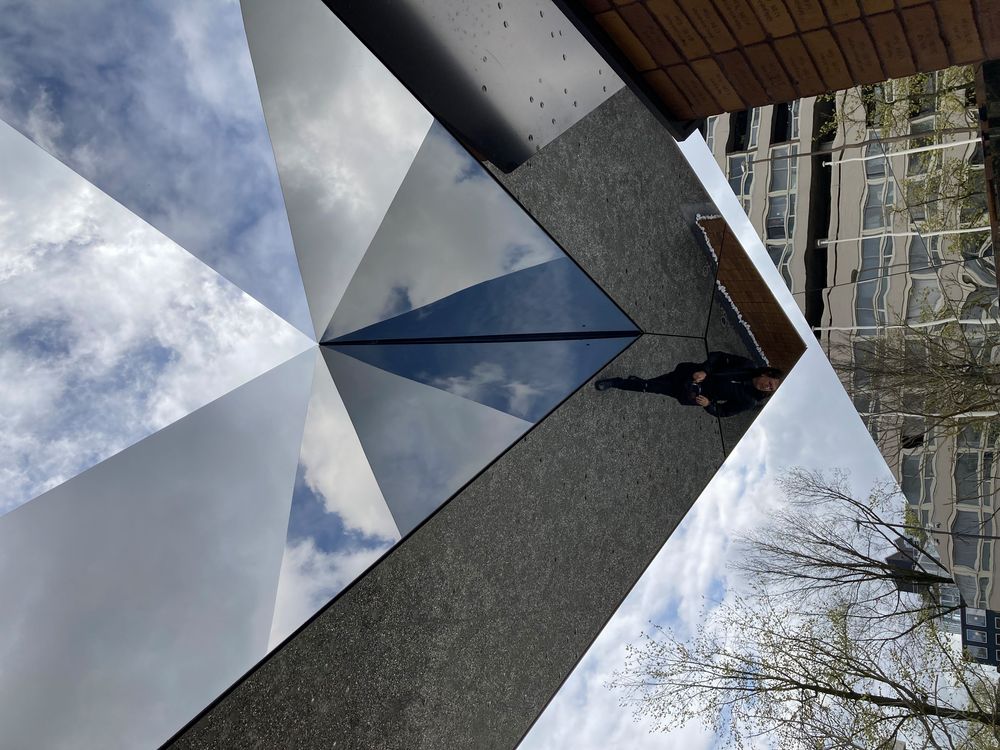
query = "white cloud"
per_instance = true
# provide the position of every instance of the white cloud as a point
(450, 227)
(109, 331)
(310, 578)
(521, 396)
(155, 103)
(335, 465)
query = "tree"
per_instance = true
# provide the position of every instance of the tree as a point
(811, 681)
(940, 189)
(823, 541)
(825, 651)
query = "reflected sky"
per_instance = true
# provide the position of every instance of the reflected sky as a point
(108, 330)
(190, 512)
(339, 524)
(551, 297)
(136, 592)
(449, 226)
(525, 379)
(344, 132)
(422, 443)
(155, 103)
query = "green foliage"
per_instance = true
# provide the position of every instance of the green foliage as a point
(811, 660)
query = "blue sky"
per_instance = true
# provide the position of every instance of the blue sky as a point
(809, 422)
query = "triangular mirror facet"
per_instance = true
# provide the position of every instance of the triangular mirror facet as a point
(423, 444)
(450, 226)
(139, 590)
(344, 132)
(525, 379)
(339, 523)
(110, 330)
(155, 103)
(554, 297)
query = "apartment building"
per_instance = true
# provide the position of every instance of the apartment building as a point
(871, 204)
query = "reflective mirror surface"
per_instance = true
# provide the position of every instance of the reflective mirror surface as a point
(186, 478)
(155, 104)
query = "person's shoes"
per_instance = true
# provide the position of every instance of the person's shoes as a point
(603, 385)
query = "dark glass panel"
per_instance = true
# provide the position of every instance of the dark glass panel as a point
(526, 379)
(423, 444)
(552, 297)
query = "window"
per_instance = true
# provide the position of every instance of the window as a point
(741, 178)
(781, 256)
(967, 478)
(872, 284)
(967, 585)
(975, 636)
(781, 123)
(923, 253)
(910, 479)
(710, 124)
(779, 223)
(925, 293)
(976, 617)
(920, 162)
(965, 538)
(777, 210)
(875, 162)
(978, 652)
(743, 130)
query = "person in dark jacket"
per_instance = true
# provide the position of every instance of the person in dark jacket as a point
(724, 384)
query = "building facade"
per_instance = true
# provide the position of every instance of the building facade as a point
(871, 203)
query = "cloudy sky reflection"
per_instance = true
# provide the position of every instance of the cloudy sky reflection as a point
(155, 103)
(137, 591)
(449, 226)
(108, 330)
(202, 476)
(344, 132)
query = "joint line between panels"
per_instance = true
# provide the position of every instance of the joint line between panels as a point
(489, 338)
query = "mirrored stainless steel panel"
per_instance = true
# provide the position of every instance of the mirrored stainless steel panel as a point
(108, 330)
(450, 226)
(422, 443)
(339, 523)
(554, 297)
(344, 132)
(137, 591)
(525, 378)
(155, 103)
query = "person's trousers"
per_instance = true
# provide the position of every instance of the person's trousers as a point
(669, 384)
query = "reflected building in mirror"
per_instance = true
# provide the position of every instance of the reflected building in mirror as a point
(872, 203)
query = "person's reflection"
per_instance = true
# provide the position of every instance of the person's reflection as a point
(724, 384)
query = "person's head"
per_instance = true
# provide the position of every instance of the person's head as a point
(767, 380)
